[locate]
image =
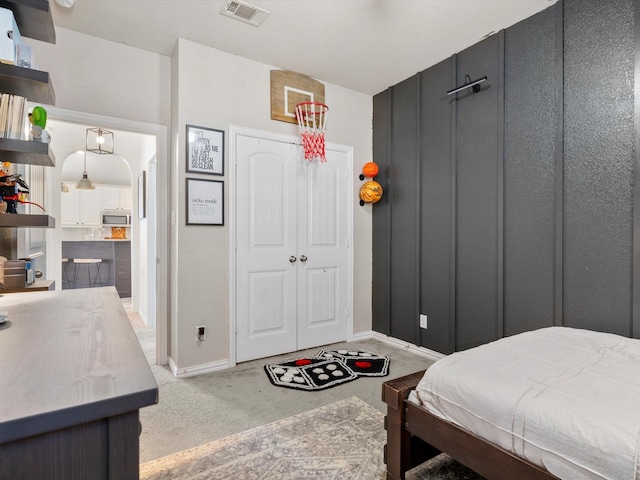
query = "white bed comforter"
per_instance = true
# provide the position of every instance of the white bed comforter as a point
(565, 399)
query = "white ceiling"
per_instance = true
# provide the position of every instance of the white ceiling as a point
(363, 45)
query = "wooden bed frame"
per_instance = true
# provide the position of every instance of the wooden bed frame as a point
(414, 436)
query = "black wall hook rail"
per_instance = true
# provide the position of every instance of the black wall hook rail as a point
(474, 85)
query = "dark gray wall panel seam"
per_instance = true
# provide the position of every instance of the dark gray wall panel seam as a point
(635, 307)
(418, 270)
(454, 206)
(500, 205)
(389, 212)
(559, 228)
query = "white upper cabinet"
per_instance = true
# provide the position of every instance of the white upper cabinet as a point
(83, 208)
(125, 198)
(109, 197)
(80, 208)
(113, 197)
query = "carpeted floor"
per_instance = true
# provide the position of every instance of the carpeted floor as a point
(340, 441)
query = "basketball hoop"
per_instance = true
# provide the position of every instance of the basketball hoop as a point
(312, 118)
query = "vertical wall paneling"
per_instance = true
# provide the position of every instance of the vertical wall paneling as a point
(530, 148)
(598, 163)
(635, 326)
(477, 197)
(404, 195)
(381, 228)
(528, 192)
(436, 205)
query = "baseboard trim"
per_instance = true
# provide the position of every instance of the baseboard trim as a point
(425, 352)
(370, 334)
(197, 369)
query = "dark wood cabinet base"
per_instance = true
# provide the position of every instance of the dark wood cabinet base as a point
(105, 449)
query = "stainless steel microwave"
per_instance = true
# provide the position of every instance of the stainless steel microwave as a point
(116, 217)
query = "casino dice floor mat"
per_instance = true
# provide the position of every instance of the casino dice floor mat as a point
(328, 368)
(365, 364)
(310, 373)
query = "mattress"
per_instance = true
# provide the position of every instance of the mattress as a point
(565, 399)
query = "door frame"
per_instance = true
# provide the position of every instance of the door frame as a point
(234, 132)
(159, 290)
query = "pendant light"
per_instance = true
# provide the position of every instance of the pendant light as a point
(84, 183)
(63, 187)
(99, 141)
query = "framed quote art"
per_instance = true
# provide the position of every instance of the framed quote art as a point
(205, 150)
(205, 202)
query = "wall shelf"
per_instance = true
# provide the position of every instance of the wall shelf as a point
(27, 221)
(37, 286)
(35, 85)
(26, 152)
(33, 18)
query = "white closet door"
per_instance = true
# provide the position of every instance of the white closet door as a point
(291, 255)
(266, 241)
(322, 240)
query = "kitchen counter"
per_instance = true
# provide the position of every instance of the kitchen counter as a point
(73, 379)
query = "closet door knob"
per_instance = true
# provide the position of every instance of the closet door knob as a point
(292, 259)
(303, 258)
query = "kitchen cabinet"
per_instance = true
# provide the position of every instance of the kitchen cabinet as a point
(122, 268)
(125, 198)
(109, 197)
(35, 21)
(113, 197)
(80, 208)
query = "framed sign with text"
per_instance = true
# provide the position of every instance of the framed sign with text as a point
(205, 202)
(205, 150)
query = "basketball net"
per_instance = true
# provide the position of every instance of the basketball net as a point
(312, 118)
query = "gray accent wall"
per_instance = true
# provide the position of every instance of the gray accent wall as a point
(512, 208)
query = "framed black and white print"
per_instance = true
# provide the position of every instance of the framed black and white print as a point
(205, 150)
(205, 202)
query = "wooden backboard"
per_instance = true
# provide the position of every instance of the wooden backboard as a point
(290, 88)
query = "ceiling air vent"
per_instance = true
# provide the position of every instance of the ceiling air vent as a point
(244, 12)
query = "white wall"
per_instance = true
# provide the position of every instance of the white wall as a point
(105, 78)
(216, 89)
(201, 86)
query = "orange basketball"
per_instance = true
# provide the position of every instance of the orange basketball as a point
(371, 192)
(370, 169)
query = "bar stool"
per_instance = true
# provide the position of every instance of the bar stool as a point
(88, 262)
(65, 274)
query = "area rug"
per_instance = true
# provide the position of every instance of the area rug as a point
(340, 441)
(328, 368)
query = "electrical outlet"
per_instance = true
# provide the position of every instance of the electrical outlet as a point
(201, 334)
(423, 321)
